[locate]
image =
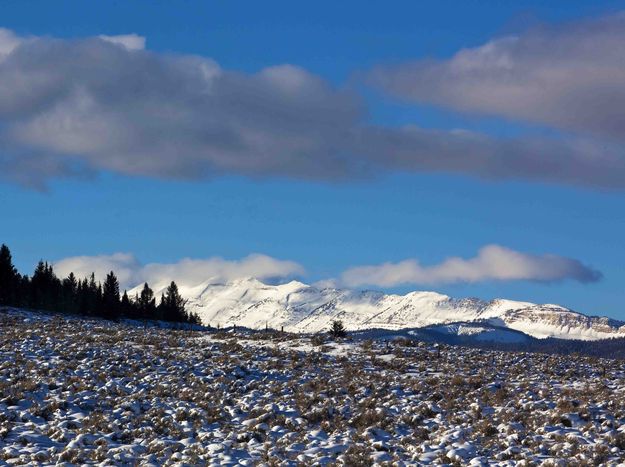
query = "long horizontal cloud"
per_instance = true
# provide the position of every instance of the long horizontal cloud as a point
(77, 107)
(567, 76)
(187, 272)
(578, 161)
(106, 104)
(492, 263)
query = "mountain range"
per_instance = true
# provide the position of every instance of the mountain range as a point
(298, 307)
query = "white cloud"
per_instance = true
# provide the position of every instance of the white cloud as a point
(186, 272)
(125, 265)
(8, 42)
(92, 104)
(195, 271)
(567, 76)
(78, 107)
(130, 41)
(492, 263)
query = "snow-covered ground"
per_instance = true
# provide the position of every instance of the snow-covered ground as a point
(90, 391)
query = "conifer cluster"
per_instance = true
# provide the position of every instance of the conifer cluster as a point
(45, 291)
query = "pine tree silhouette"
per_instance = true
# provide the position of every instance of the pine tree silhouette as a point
(147, 303)
(127, 308)
(173, 305)
(45, 291)
(110, 297)
(9, 278)
(70, 294)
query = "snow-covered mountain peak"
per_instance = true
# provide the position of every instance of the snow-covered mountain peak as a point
(501, 304)
(426, 295)
(247, 282)
(299, 307)
(294, 286)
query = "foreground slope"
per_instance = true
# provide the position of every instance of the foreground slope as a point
(303, 308)
(94, 392)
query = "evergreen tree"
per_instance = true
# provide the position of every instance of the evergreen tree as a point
(127, 308)
(82, 297)
(110, 297)
(194, 318)
(99, 307)
(9, 278)
(23, 293)
(173, 305)
(45, 291)
(37, 285)
(70, 294)
(160, 309)
(146, 303)
(92, 296)
(338, 329)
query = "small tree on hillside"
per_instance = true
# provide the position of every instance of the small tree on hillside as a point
(337, 330)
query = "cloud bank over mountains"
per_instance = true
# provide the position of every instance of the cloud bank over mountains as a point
(492, 263)
(190, 272)
(76, 107)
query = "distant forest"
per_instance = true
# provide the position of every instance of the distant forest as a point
(604, 348)
(45, 291)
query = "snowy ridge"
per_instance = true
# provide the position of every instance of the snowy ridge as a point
(299, 307)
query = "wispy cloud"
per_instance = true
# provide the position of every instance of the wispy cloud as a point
(492, 263)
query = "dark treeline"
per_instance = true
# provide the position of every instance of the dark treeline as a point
(45, 291)
(604, 348)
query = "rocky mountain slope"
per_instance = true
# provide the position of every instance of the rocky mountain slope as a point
(303, 308)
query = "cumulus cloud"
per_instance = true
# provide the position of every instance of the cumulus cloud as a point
(125, 265)
(106, 104)
(186, 272)
(492, 263)
(566, 76)
(77, 107)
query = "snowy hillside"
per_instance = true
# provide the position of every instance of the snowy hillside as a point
(303, 308)
(77, 391)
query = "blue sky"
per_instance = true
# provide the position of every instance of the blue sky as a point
(324, 223)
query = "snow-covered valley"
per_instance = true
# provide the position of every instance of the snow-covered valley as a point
(299, 307)
(88, 391)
